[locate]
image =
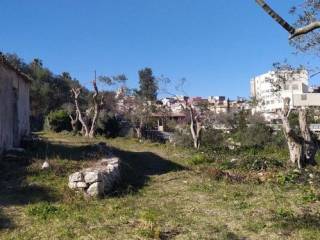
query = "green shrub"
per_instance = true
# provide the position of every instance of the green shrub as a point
(258, 134)
(198, 158)
(108, 126)
(288, 177)
(212, 138)
(310, 196)
(58, 121)
(183, 138)
(284, 214)
(260, 163)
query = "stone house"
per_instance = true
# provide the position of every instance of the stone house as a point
(14, 105)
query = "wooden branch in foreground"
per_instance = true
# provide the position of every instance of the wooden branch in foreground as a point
(276, 16)
(306, 29)
(294, 32)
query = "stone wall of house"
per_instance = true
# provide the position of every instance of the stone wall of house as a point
(14, 108)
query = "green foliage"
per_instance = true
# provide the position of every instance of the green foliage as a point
(260, 163)
(198, 158)
(183, 138)
(48, 92)
(291, 176)
(108, 126)
(255, 135)
(241, 119)
(310, 197)
(283, 214)
(148, 85)
(58, 121)
(212, 138)
(43, 211)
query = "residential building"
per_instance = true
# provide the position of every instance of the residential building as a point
(268, 99)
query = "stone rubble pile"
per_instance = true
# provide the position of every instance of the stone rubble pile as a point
(97, 180)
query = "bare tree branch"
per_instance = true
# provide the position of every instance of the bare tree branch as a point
(276, 16)
(293, 32)
(306, 29)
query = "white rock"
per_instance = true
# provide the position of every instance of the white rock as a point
(110, 168)
(296, 171)
(98, 179)
(91, 177)
(72, 185)
(113, 160)
(82, 185)
(96, 189)
(76, 177)
(45, 165)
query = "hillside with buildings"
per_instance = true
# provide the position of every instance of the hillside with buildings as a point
(99, 140)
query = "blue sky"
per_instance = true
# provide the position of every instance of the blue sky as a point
(217, 45)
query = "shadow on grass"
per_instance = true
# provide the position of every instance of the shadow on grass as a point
(290, 223)
(137, 167)
(14, 190)
(5, 223)
(45, 149)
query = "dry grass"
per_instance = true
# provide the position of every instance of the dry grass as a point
(162, 196)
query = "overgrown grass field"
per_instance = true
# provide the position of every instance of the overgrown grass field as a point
(166, 193)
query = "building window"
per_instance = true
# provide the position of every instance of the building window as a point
(295, 87)
(304, 97)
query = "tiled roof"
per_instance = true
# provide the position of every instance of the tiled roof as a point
(6, 63)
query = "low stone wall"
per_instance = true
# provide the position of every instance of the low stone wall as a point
(97, 180)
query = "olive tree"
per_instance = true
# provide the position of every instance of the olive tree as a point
(303, 36)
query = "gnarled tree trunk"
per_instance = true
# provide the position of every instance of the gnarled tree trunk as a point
(310, 146)
(196, 129)
(302, 149)
(74, 122)
(138, 129)
(96, 108)
(295, 146)
(85, 129)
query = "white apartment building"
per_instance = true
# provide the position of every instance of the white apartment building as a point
(269, 100)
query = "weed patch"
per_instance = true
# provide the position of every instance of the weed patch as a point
(44, 211)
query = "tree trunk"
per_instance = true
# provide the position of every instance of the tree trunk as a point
(74, 122)
(76, 92)
(196, 129)
(310, 147)
(139, 129)
(138, 132)
(96, 110)
(295, 147)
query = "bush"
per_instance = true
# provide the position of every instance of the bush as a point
(58, 121)
(212, 138)
(257, 134)
(182, 137)
(198, 158)
(108, 126)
